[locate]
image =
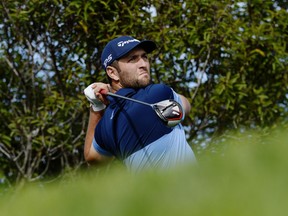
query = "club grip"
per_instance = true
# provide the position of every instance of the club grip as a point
(103, 92)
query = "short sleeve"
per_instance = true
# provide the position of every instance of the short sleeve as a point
(100, 150)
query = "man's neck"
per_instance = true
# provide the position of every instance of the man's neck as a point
(115, 87)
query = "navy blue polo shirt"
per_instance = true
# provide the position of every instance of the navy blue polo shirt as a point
(127, 126)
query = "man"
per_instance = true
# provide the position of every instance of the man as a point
(127, 130)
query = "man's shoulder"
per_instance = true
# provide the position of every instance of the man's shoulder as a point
(155, 93)
(159, 88)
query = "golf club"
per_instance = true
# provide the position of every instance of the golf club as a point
(169, 111)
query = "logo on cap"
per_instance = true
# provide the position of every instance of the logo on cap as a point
(107, 60)
(123, 43)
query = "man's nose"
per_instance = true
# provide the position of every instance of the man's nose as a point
(142, 62)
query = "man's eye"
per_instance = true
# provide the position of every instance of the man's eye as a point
(132, 59)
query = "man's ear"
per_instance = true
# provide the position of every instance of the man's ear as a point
(112, 73)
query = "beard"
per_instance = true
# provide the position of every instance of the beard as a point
(127, 82)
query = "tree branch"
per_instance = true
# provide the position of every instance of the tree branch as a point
(201, 73)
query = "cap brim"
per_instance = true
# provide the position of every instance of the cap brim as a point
(147, 45)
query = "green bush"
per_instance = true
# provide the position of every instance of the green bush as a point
(248, 179)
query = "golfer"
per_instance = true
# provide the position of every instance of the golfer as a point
(129, 131)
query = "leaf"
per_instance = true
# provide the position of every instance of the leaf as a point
(258, 51)
(5, 139)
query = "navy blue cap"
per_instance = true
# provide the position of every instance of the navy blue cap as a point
(120, 46)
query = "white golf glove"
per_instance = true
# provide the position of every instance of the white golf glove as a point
(96, 104)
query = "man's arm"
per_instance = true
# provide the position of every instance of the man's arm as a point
(186, 104)
(96, 112)
(90, 154)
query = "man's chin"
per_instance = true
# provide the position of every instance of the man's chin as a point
(138, 84)
(144, 82)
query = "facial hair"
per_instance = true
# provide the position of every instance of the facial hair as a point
(127, 82)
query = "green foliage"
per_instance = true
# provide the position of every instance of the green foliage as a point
(250, 179)
(228, 58)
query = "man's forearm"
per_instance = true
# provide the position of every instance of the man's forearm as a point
(94, 118)
(186, 104)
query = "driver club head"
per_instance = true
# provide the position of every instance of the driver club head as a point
(170, 111)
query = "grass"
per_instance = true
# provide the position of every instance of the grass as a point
(250, 178)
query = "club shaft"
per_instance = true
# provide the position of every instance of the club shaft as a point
(127, 98)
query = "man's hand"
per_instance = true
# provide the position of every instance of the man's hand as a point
(97, 100)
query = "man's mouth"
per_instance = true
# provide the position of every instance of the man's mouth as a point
(144, 73)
